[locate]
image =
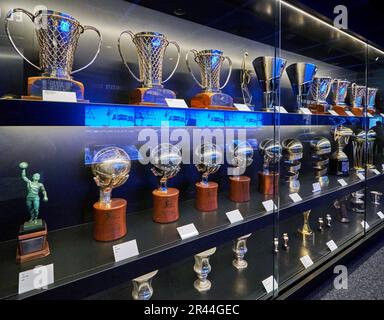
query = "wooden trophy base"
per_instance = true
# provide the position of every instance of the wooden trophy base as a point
(318, 108)
(206, 196)
(110, 221)
(165, 205)
(36, 85)
(371, 111)
(212, 100)
(151, 96)
(239, 189)
(32, 244)
(268, 183)
(358, 112)
(340, 110)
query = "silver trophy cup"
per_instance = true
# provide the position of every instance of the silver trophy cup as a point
(301, 75)
(210, 63)
(320, 89)
(57, 35)
(339, 92)
(151, 48)
(269, 70)
(371, 96)
(357, 95)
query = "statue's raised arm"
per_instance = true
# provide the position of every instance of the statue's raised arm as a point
(23, 166)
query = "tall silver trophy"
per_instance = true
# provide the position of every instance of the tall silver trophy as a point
(357, 96)
(321, 148)
(57, 35)
(363, 143)
(151, 48)
(320, 89)
(292, 155)
(339, 163)
(301, 75)
(210, 63)
(371, 96)
(269, 71)
(339, 93)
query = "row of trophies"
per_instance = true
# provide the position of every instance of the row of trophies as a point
(142, 286)
(111, 167)
(58, 34)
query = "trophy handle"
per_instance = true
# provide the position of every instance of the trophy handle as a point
(177, 62)
(122, 56)
(9, 15)
(189, 68)
(230, 71)
(98, 48)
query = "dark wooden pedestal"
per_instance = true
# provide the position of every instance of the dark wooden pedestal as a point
(165, 205)
(32, 245)
(358, 112)
(239, 188)
(110, 221)
(340, 110)
(318, 108)
(206, 196)
(268, 183)
(213, 100)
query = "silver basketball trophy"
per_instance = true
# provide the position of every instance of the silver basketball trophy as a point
(339, 93)
(320, 89)
(151, 48)
(269, 70)
(371, 97)
(321, 148)
(292, 154)
(357, 96)
(57, 35)
(301, 75)
(210, 63)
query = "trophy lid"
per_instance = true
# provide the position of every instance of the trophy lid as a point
(63, 15)
(361, 134)
(341, 131)
(292, 146)
(150, 34)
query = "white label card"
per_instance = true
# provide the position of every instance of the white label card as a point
(241, 107)
(269, 205)
(306, 261)
(382, 166)
(382, 114)
(332, 245)
(187, 231)
(270, 284)
(316, 187)
(333, 112)
(369, 115)
(281, 109)
(365, 224)
(59, 96)
(176, 103)
(375, 171)
(125, 250)
(305, 111)
(342, 182)
(295, 197)
(38, 278)
(381, 215)
(349, 113)
(361, 176)
(234, 216)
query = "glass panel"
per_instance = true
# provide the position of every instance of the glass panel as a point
(324, 155)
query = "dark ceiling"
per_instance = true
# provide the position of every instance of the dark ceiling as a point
(365, 16)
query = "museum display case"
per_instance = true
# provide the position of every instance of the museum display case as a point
(241, 149)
